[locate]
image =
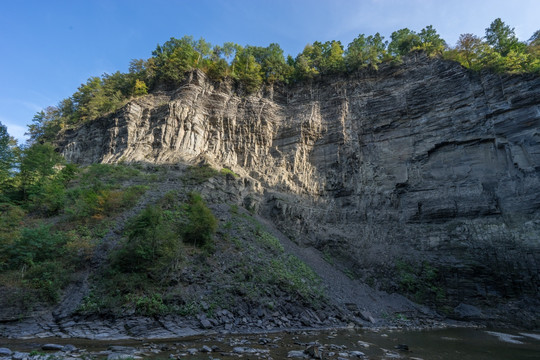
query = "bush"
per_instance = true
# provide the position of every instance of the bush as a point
(202, 224)
(48, 278)
(199, 174)
(34, 246)
(151, 243)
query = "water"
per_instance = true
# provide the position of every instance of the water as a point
(446, 344)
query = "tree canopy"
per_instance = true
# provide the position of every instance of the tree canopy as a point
(250, 67)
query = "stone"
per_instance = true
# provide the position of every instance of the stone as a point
(296, 354)
(19, 355)
(357, 353)
(313, 352)
(53, 347)
(69, 348)
(366, 315)
(402, 347)
(119, 356)
(5, 352)
(206, 349)
(206, 324)
(466, 311)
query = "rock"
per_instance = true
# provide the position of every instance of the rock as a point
(119, 356)
(206, 324)
(466, 311)
(5, 352)
(206, 349)
(192, 351)
(366, 315)
(52, 347)
(247, 350)
(358, 354)
(296, 354)
(402, 347)
(313, 352)
(69, 348)
(19, 355)
(122, 349)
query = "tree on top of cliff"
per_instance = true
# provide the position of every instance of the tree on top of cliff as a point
(366, 51)
(501, 37)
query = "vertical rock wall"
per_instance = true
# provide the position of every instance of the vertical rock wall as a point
(421, 162)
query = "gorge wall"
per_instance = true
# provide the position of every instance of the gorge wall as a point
(422, 164)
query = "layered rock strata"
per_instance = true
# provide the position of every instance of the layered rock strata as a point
(420, 163)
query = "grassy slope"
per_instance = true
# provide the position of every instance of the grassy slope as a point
(162, 269)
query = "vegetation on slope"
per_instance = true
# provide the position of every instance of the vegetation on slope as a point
(53, 217)
(174, 255)
(252, 66)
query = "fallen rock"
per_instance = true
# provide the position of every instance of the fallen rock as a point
(52, 347)
(296, 354)
(5, 352)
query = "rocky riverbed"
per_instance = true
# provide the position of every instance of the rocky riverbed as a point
(387, 343)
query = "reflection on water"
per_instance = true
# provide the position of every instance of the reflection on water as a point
(446, 344)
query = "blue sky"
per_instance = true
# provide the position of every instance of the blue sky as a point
(50, 47)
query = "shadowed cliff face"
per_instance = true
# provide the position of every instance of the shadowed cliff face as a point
(423, 162)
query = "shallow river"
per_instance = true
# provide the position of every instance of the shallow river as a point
(451, 344)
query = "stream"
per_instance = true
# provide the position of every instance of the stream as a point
(450, 343)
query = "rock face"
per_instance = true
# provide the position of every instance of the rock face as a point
(422, 163)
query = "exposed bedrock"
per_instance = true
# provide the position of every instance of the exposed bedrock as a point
(422, 162)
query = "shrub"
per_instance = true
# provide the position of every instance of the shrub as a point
(202, 223)
(34, 246)
(199, 174)
(48, 278)
(151, 243)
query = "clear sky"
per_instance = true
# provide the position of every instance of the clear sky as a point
(51, 47)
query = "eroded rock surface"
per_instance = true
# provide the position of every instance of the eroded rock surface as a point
(422, 163)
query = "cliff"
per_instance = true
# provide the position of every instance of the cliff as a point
(422, 178)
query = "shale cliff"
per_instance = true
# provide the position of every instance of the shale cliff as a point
(421, 178)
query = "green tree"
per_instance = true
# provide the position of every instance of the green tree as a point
(471, 48)
(501, 37)
(534, 44)
(403, 41)
(365, 51)
(8, 160)
(247, 71)
(333, 61)
(202, 223)
(273, 65)
(430, 41)
(174, 58)
(140, 88)
(46, 124)
(38, 164)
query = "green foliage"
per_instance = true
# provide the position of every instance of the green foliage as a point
(403, 41)
(34, 245)
(38, 165)
(252, 66)
(247, 71)
(421, 281)
(140, 88)
(501, 37)
(202, 223)
(152, 243)
(148, 305)
(365, 51)
(8, 158)
(294, 275)
(226, 171)
(199, 174)
(430, 41)
(48, 277)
